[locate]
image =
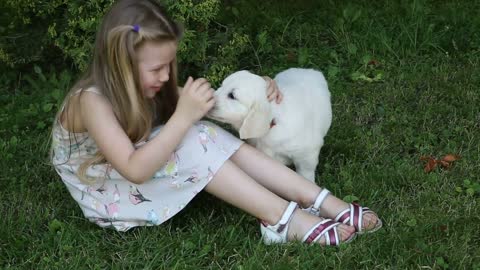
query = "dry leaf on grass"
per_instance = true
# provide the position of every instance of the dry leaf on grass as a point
(432, 162)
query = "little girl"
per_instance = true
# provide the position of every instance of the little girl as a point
(124, 174)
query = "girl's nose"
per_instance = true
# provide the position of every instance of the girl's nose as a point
(164, 76)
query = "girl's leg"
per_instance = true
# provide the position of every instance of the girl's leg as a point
(287, 184)
(234, 186)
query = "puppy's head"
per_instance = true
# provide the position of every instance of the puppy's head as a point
(242, 102)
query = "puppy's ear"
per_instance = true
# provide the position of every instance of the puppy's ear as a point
(257, 122)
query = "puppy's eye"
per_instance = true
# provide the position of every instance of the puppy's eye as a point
(231, 96)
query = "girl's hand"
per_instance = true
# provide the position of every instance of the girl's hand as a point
(195, 100)
(273, 93)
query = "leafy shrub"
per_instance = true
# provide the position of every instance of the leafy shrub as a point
(64, 31)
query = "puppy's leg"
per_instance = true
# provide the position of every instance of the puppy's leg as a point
(306, 164)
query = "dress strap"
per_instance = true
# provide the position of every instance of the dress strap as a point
(90, 89)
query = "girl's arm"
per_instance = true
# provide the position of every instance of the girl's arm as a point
(139, 165)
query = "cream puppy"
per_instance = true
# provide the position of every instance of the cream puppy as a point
(290, 132)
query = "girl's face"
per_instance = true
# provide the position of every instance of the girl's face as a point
(154, 60)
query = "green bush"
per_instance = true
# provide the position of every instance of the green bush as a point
(23, 27)
(63, 32)
(42, 30)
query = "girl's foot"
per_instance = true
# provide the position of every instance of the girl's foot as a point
(299, 225)
(303, 222)
(361, 218)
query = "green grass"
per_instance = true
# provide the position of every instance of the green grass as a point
(422, 98)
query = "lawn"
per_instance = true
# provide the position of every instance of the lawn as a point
(404, 78)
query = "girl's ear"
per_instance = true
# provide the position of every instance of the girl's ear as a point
(257, 122)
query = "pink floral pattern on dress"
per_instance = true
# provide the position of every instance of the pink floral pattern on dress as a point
(187, 171)
(136, 197)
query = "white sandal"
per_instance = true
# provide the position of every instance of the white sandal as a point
(352, 216)
(277, 234)
(314, 209)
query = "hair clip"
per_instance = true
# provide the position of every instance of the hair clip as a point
(136, 28)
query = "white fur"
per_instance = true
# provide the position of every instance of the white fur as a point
(302, 118)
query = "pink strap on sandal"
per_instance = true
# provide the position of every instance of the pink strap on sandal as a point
(327, 228)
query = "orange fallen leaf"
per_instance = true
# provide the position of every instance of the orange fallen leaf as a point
(430, 166)
(432, 162)
(445, 164)
(451, 158)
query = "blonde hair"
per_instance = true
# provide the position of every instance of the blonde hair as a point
(114, 71)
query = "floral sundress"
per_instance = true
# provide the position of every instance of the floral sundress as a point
(116, 202)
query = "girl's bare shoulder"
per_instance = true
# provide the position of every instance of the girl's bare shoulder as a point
(80, 101)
